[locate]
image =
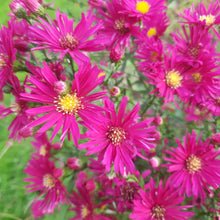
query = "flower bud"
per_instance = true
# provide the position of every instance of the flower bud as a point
(115, 55)
(115, 91)
(155, 162)
(57, 172)
(18, 9)
(158, 120)
(90, 185)
(26, 132)
(74, 163)
(59, 87)
(216, 138)
(56, 146)
(34, 7)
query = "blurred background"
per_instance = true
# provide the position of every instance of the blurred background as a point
(14, 203)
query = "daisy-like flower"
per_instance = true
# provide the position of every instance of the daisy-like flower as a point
(7, 57)
(150, 52)
(208, 18)
(160, 203)
(143, 9)
(170, 78)
(60, 36)
(83, 201)
(18, 108)
(195, 46)
(45, 179)
(119, 137)
(117, 27)
(194, 166)
(63, 105)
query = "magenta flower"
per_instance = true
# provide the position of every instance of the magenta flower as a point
(208, 18)
(60, 36)
(7, 57)
(18, 108)
(194, 166)
(62, 107)
(117, 27)
(143, 9)
(119, 138)
(83, 201)
(213, 104)
(159, 204)
(45, 180)
(170, 79)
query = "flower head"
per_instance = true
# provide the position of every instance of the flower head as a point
(119, 138)
(66, 39)
(159, 203)
(194, 166)
(61, 109)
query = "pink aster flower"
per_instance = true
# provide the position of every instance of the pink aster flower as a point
(119, 137)
(143, 9)
(18, 109)
(194, 166)
(170, 79)
(208, 18)
(117, 27)
(45, 179)
(7, 57)
(195, 45)
(213, 104)
(62, 108)
(159, 203)
(83, 201)
(60, 36)
(150, 52)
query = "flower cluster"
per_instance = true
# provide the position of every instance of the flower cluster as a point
(103, 98)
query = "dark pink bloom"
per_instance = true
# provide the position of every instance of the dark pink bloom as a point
(216, 138)
(208, 18)
(74, 163)
(194, 166)
(115, 54)
(45, 180)
(119, 138)
(7, 56)
(61, 109)
(60, 36)
(117, 27)
(18, 108)
(213, 103)
(83, 201)
(159, 203)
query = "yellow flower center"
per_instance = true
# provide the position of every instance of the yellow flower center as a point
(68, 41)
(43, 150)
(158, 212)
(68, 104)
(152, 32)
(116, 135)
(209, 19)
(84, 211)
(193, 163)
(143, 7)
(173, 79)
(48, 181)
(197, 77)
(120, 27)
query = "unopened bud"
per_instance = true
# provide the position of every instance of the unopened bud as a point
(216, 138)
(34, 6)
(57, 172)
(74, 163)
(155, 162)
(90, 185)
(59, 87)
(7, 89)
(26, 132)
(115, 91)
(56, 146)
(115, 55)
(158, 120)
(18, 9)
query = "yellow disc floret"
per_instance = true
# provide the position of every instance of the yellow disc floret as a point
(197, 77)
(152, 32)
(48, 181)
(69, 103)
(173, 79)
(209, 19)
(193, 163)
(143, 7)
(84, 211)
